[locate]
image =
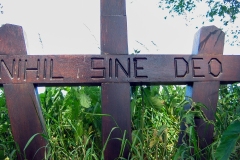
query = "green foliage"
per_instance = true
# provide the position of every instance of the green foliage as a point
(7, 144)
(73, 124)
(225, 11)
(157, 113)
(216, 8)
(227, 117)
(221, 9)
(179, 6)
(228, 141)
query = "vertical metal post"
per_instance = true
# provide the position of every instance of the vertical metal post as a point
(22, 101)
(208, 40)
(115, 96)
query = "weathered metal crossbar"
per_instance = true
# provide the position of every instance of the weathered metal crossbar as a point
(134, 69)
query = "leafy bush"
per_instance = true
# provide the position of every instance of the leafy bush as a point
(73, 124)
(7, 144)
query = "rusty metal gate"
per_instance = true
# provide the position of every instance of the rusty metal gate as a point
(115, 71)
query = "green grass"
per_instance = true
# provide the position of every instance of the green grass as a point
(73, 124)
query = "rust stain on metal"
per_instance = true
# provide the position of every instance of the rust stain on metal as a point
(89, 69)
(22, 101)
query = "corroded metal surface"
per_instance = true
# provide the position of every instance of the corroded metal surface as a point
(115, 96)
(116, 104)
(89, 69)
(26, 119)
(209, 41)
(12, 40)
(23, 106)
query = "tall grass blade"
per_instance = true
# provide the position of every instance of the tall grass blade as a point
(105, 144)
(30, 140)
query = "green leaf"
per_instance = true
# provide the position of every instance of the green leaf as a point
(157, 103)
(189, 118)
(85, 101)
(180, 152)
(228, 141)
(2, 156)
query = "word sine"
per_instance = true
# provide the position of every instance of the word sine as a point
(117, 68)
